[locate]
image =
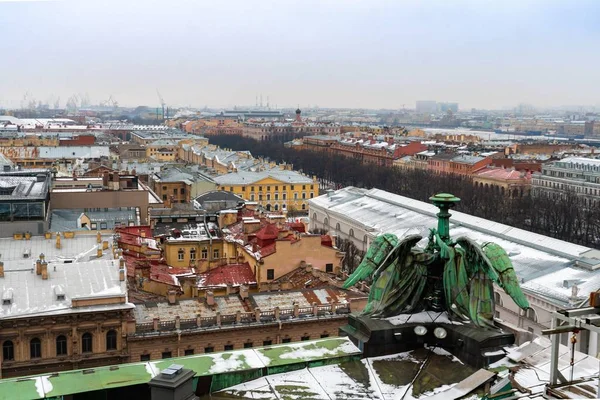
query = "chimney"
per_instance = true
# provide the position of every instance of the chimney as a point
(98, 237)
(243, 292)
(1, 269)
(172, 297)
(105, 245)
(121, 262)
(38, 266)
(58, 240)
(42, 256)
(229, 289)
(44, 270)
(99, 251)
(121, 274)
(210, 298)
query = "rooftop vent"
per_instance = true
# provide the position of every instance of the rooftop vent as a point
(172, 371)
(27, 253)
(41, 177)
(7, 297)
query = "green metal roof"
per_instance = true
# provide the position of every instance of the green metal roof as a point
(78, 381)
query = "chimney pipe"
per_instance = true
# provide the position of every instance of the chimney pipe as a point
(44, 270)
(98, 237)
(121, 275)
(58, 240)
(1, 269)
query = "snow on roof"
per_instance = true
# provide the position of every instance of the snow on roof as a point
(33, 295)
(537, 258)
(249, 177)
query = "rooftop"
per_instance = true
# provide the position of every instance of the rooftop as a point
(248, 177)
(30, 295)
(224, 275)
(71, 219)
(541, 262)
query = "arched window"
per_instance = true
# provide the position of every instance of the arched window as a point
(276, 207)
(86, 343)
(61, 345)
(326, 221)
(8, 351)
(351, 232)
(497, 298)
(315, 217)
(365, 239)
(35, 348)
(337, 227)
(111, 340)
(530, 314)
(304, 206)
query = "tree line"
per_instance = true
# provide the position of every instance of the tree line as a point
(564, 217)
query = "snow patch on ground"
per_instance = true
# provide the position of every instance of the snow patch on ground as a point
(152, 369)
(231, 362)
(43, 385)
(303, 353)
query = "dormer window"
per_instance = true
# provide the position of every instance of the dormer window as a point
(60, 297)
(7, 297)
(59, 293)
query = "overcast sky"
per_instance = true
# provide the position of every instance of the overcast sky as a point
(331, 53)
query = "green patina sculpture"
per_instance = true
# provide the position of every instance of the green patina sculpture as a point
(456, 276)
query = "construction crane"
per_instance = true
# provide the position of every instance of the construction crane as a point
(162, 104)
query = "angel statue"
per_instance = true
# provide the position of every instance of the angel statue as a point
(452, 275)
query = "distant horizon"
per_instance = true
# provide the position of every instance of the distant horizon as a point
(355, 54)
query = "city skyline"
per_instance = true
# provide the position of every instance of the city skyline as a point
(349, 54)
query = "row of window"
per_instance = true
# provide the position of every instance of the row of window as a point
(181, 190)
(276, 196)
(338, 228)
(260, 188)
(35, 345)
(227, 347)
(203, 253)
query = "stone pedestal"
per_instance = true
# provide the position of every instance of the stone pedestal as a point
(173, 386)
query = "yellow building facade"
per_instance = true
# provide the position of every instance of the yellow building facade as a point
(282, 191)
(201, 254)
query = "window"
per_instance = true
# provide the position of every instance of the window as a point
(61, 345)
(94, 225)
(497, 298)
(303, 206)
(325, 335)
(192, 254)
(103, 225)
(231, 188)
(328, 267)
(312, 195)
(276, 196)
(243, 188)
(252, 197)
(8, 351)
(305, 337)
(268, 196)
(276, 188)
(268, 188)
(216, 253)
(182, 191)
(86, 343)
(284, 196)
(204, 254)
(292, 187)
(303, 195)
(530, 314)
(284, 187)
(303, 187)
(175, 191)
(267, 342)
(271, 274)
(188, 352)
(286, 340)
(295, 195)
(181, 254)
(260, 188)
(164, 188)
(209, 349)
(228, 347)
(166, 354)
(252, 189)
(248, 345)
(352, 232)
(35, 348)
(164, 196)
(365, 239)
(260, 197)
(111, 340)
(145, 357)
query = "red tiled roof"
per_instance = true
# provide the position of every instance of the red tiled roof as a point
(326, 240)
(269, 231)
(165, 274)
(232, 274)
(136, 230)
(267, 250)
(297, 226)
